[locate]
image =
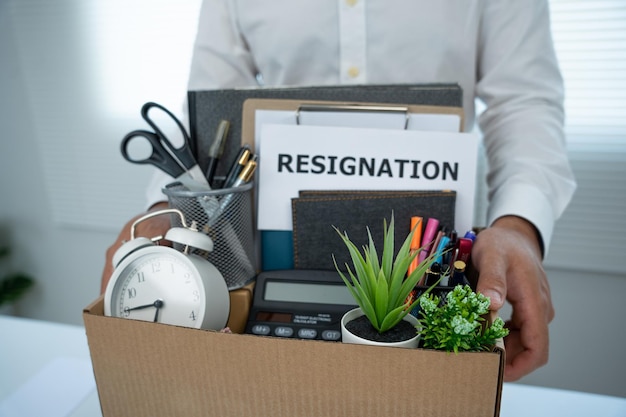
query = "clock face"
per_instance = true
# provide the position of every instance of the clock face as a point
(159, 287)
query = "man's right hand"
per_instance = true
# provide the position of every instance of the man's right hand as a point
(156, 226)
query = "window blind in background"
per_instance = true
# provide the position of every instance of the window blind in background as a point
(590, 40)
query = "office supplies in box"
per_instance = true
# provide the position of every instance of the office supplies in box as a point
(150, 369)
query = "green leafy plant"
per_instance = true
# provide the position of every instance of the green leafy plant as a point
(381, 288)
(458, 324)
(13, 285)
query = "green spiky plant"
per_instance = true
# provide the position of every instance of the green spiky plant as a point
(381, 288)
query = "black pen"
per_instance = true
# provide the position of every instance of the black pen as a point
(242, 159)
(244, 177)
(217, 149)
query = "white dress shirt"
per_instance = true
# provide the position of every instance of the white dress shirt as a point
(499, 51)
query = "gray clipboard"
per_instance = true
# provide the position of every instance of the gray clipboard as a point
(208, 107)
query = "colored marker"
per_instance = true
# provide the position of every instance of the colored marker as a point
(416, 227)
(470, 234)
(441, 247)
(464, 246)
(429, 235)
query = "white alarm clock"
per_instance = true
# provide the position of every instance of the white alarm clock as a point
(161, 284)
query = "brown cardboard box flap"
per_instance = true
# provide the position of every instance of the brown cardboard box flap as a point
(148, 369)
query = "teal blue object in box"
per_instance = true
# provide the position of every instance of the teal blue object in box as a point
(276, 250)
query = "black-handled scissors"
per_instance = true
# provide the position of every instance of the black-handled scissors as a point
(176, 162)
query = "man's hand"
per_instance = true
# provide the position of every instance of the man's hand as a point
(156, 226)
(509, 259)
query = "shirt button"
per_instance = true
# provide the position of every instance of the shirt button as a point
(351, 2)
(353, 72)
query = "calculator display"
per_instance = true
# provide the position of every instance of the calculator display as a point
(307, 292)
(274, 317)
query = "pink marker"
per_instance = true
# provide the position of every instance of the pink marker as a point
(429, 235)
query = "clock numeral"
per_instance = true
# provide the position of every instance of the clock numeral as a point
(141, 277)
(193, 316)
(126, 312)
(132, 293)
(196, 295)
(187, 278)
(156, 266)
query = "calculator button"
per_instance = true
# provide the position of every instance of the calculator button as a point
(331, 335)
(261, 329)
(307, 333)
(283, 331)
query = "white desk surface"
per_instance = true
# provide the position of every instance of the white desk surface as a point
(31, 348)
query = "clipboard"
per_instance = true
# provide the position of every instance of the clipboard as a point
(208, 107)
(408, 113)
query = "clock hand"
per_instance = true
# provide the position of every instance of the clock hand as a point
(158, 304)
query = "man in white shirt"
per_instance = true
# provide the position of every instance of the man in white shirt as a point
(500, 52)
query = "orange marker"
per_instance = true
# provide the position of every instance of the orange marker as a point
(416, 223)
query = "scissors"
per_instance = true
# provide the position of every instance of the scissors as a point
(177, 162)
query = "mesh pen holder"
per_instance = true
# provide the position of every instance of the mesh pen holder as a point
(226, 216)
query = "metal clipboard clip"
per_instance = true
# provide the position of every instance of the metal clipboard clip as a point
(353, 108)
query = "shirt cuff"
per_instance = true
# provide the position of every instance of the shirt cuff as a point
(527, 202)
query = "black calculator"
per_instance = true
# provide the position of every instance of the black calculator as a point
(301, 304)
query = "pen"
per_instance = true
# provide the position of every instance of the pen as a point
(435, 245)
(441, 247)
(246, 173)
(429, 234)
(217, 149)
(243, 178)
(240, 162)
(416, 226)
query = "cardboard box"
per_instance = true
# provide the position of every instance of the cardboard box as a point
(151, 369)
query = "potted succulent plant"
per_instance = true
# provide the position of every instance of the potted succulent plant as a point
(458, 323)
(380, 289)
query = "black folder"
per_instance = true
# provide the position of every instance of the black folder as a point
(208, 107)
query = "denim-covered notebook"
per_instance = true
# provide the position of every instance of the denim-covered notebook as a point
(316, 212)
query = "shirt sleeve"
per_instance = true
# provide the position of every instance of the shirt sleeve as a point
(521, 85)
(220, 59)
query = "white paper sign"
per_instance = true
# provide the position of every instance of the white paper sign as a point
(294, 158)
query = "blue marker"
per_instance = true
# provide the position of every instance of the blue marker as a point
(443, 244)
(470, 235)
